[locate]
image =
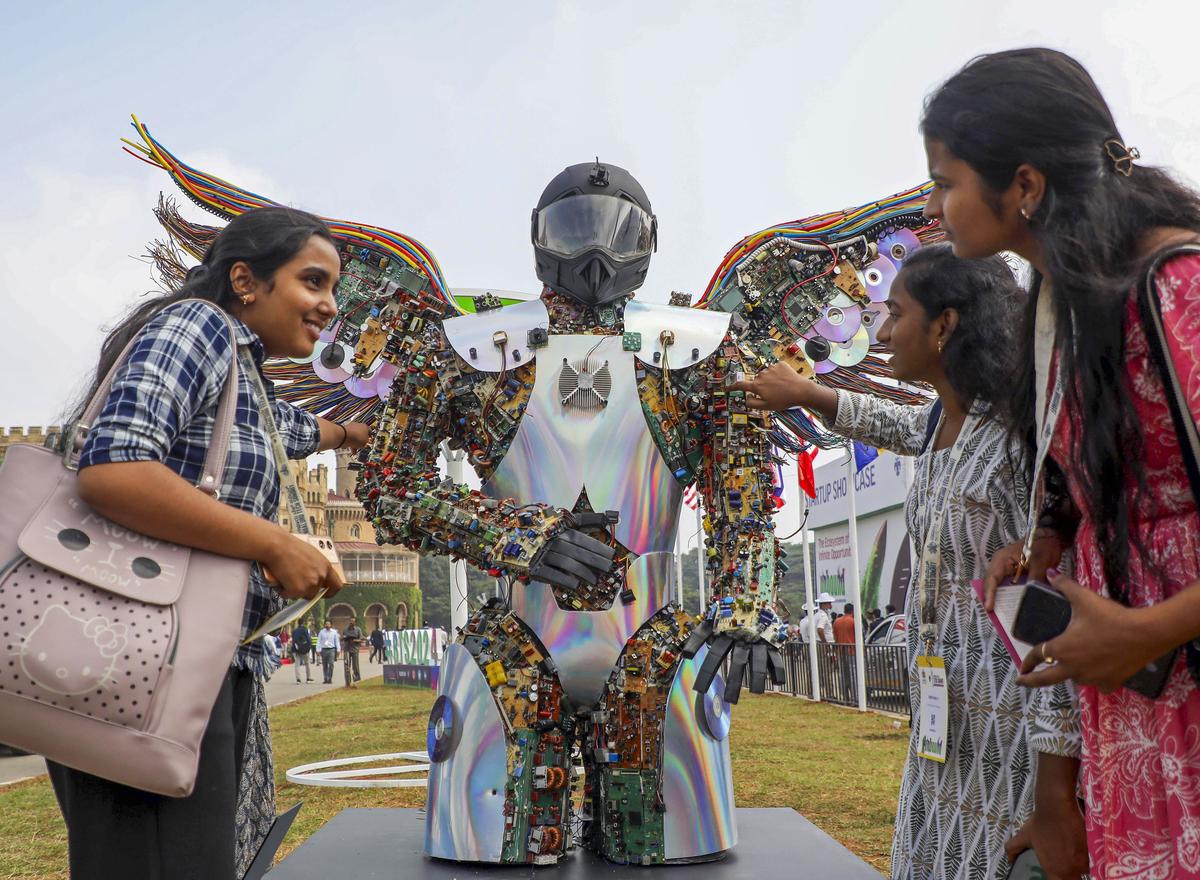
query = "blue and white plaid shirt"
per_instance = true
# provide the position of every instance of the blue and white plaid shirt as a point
(162, 407)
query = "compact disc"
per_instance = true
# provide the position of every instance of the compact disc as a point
(839, 319)
(879, 275)
(445, 729)
(849, 353)
(898, 245)
(361, 386)
(873, 317)
(713, 711)
(823, 367)
(384, 377)
(330, 362)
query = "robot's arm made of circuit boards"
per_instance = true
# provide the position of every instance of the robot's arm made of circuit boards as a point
(735, 480)
(410, 504)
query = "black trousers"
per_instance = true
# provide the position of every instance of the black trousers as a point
(114, 831)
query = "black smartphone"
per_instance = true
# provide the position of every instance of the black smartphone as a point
(1045, 613)
(1026, 867)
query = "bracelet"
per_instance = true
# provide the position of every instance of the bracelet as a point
(344, 436)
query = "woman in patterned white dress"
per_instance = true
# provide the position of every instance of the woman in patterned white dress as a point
(1026, 157)
(947, 326)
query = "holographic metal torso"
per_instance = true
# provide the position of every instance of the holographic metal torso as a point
(558, 452)
(562, 449)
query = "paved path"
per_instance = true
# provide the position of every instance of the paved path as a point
(281, 688)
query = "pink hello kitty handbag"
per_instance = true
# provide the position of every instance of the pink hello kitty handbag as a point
(113, 645)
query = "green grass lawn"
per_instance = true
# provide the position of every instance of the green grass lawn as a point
(838, 767)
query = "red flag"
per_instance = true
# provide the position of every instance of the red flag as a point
(804, 470)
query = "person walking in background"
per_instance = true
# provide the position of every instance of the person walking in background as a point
(328, 644)
(311, 626)
(950, 325)
(352, 639)
(301, 650)
(1026, 157)
(376, 645)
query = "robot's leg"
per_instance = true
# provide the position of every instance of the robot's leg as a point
(499, 782)
(659, 755)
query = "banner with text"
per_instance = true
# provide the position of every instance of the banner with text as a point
(884, 552)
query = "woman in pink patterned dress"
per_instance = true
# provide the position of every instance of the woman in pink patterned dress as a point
(1026, 157)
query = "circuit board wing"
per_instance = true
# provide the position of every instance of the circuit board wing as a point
(348, 375)
(811, 293)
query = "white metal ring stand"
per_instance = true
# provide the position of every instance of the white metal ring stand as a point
(309, 774)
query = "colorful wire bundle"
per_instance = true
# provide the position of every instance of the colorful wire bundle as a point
(822, 229)
(228, 200)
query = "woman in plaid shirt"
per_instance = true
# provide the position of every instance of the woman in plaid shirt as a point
(274, 270)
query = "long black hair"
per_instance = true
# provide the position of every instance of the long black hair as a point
(978, 357)
(1041, 107)
(264, 239)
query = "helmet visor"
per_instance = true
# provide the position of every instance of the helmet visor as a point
(574, 224)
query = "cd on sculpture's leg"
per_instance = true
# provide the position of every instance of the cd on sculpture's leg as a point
(444, 731)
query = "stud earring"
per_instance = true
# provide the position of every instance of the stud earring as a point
(941, 345)
(245, 298)
(1025, 215)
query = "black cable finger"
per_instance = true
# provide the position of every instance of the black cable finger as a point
(775, 661)
(585, 549)
(565, 563)
(758, 667)
(551, 575)
(698, 637)
(737, 671)
(721, 646)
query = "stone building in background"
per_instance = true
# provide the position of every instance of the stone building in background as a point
(35, 435)
(383, 583)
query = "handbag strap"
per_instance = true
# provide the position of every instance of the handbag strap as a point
(218, 447)
(1150, 307)
(287, 478)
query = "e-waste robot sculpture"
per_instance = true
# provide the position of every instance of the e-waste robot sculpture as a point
(586, 708)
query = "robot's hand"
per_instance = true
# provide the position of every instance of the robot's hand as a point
(572, 558)
(754, 658)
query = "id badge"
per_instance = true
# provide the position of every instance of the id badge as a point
(932, 722)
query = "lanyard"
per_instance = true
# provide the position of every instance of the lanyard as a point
(287, 479)
(1048, 410)
(930, 566)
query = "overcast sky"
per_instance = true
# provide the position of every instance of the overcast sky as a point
(445, 121)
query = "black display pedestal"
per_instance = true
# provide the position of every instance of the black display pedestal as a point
(386, 845)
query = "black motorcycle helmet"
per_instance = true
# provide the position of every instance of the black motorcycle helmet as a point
(593, 233)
